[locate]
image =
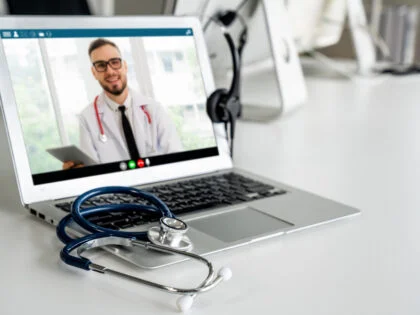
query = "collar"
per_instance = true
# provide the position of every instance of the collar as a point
(114, 106)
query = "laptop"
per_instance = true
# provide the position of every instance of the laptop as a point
(47, 82)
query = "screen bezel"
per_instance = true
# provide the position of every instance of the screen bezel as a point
(31, 193)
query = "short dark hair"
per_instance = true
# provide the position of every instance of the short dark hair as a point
(97, 43)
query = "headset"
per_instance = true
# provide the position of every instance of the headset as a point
(224, 106)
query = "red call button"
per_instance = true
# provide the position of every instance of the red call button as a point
(140, 163)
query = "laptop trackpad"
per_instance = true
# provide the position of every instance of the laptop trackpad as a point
(237, 225)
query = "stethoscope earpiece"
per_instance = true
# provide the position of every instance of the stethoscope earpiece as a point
(184, 303)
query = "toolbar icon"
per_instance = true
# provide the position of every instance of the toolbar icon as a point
(123, 166)
(140, 163)
(131, 164)
(7, 34)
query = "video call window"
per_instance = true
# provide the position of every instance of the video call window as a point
(53, 83)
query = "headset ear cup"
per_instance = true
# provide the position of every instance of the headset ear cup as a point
(214, 106)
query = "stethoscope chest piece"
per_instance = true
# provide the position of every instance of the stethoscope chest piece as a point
(103, 138)
(170, 233)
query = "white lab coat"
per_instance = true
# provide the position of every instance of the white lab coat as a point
(155, 138)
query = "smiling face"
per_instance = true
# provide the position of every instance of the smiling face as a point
(113, 81)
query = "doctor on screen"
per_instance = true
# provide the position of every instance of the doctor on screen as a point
(120, 124)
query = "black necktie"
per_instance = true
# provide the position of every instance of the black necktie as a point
(129, 137)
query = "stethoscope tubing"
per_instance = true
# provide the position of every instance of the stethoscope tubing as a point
(65, 238)
(102, 135)
(77, 212)
(205, 285)
(78, 215)
(210, 281)
(98, 118)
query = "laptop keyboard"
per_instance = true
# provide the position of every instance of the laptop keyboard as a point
(181, 197)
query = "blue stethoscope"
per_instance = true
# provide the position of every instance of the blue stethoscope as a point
(170, 237)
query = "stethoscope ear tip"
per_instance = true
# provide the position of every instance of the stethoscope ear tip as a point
(184, 303)
(225, 273)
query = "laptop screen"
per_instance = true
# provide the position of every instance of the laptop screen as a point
(97, 101)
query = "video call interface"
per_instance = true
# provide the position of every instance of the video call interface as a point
(97, 101)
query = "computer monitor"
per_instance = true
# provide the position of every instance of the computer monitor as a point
(272, 81)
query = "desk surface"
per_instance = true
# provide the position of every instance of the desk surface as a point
(353, 142)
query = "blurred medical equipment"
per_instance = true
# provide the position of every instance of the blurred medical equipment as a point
(398, 25)
(320, 23)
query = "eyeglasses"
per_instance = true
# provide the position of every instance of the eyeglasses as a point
(101, 66)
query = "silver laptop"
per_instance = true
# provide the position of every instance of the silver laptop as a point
(47, 82)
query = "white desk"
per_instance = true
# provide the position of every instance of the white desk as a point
(354, 143)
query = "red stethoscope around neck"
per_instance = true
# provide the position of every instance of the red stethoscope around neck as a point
(102, 136)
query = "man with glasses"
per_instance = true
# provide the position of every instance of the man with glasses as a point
(121, 124)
